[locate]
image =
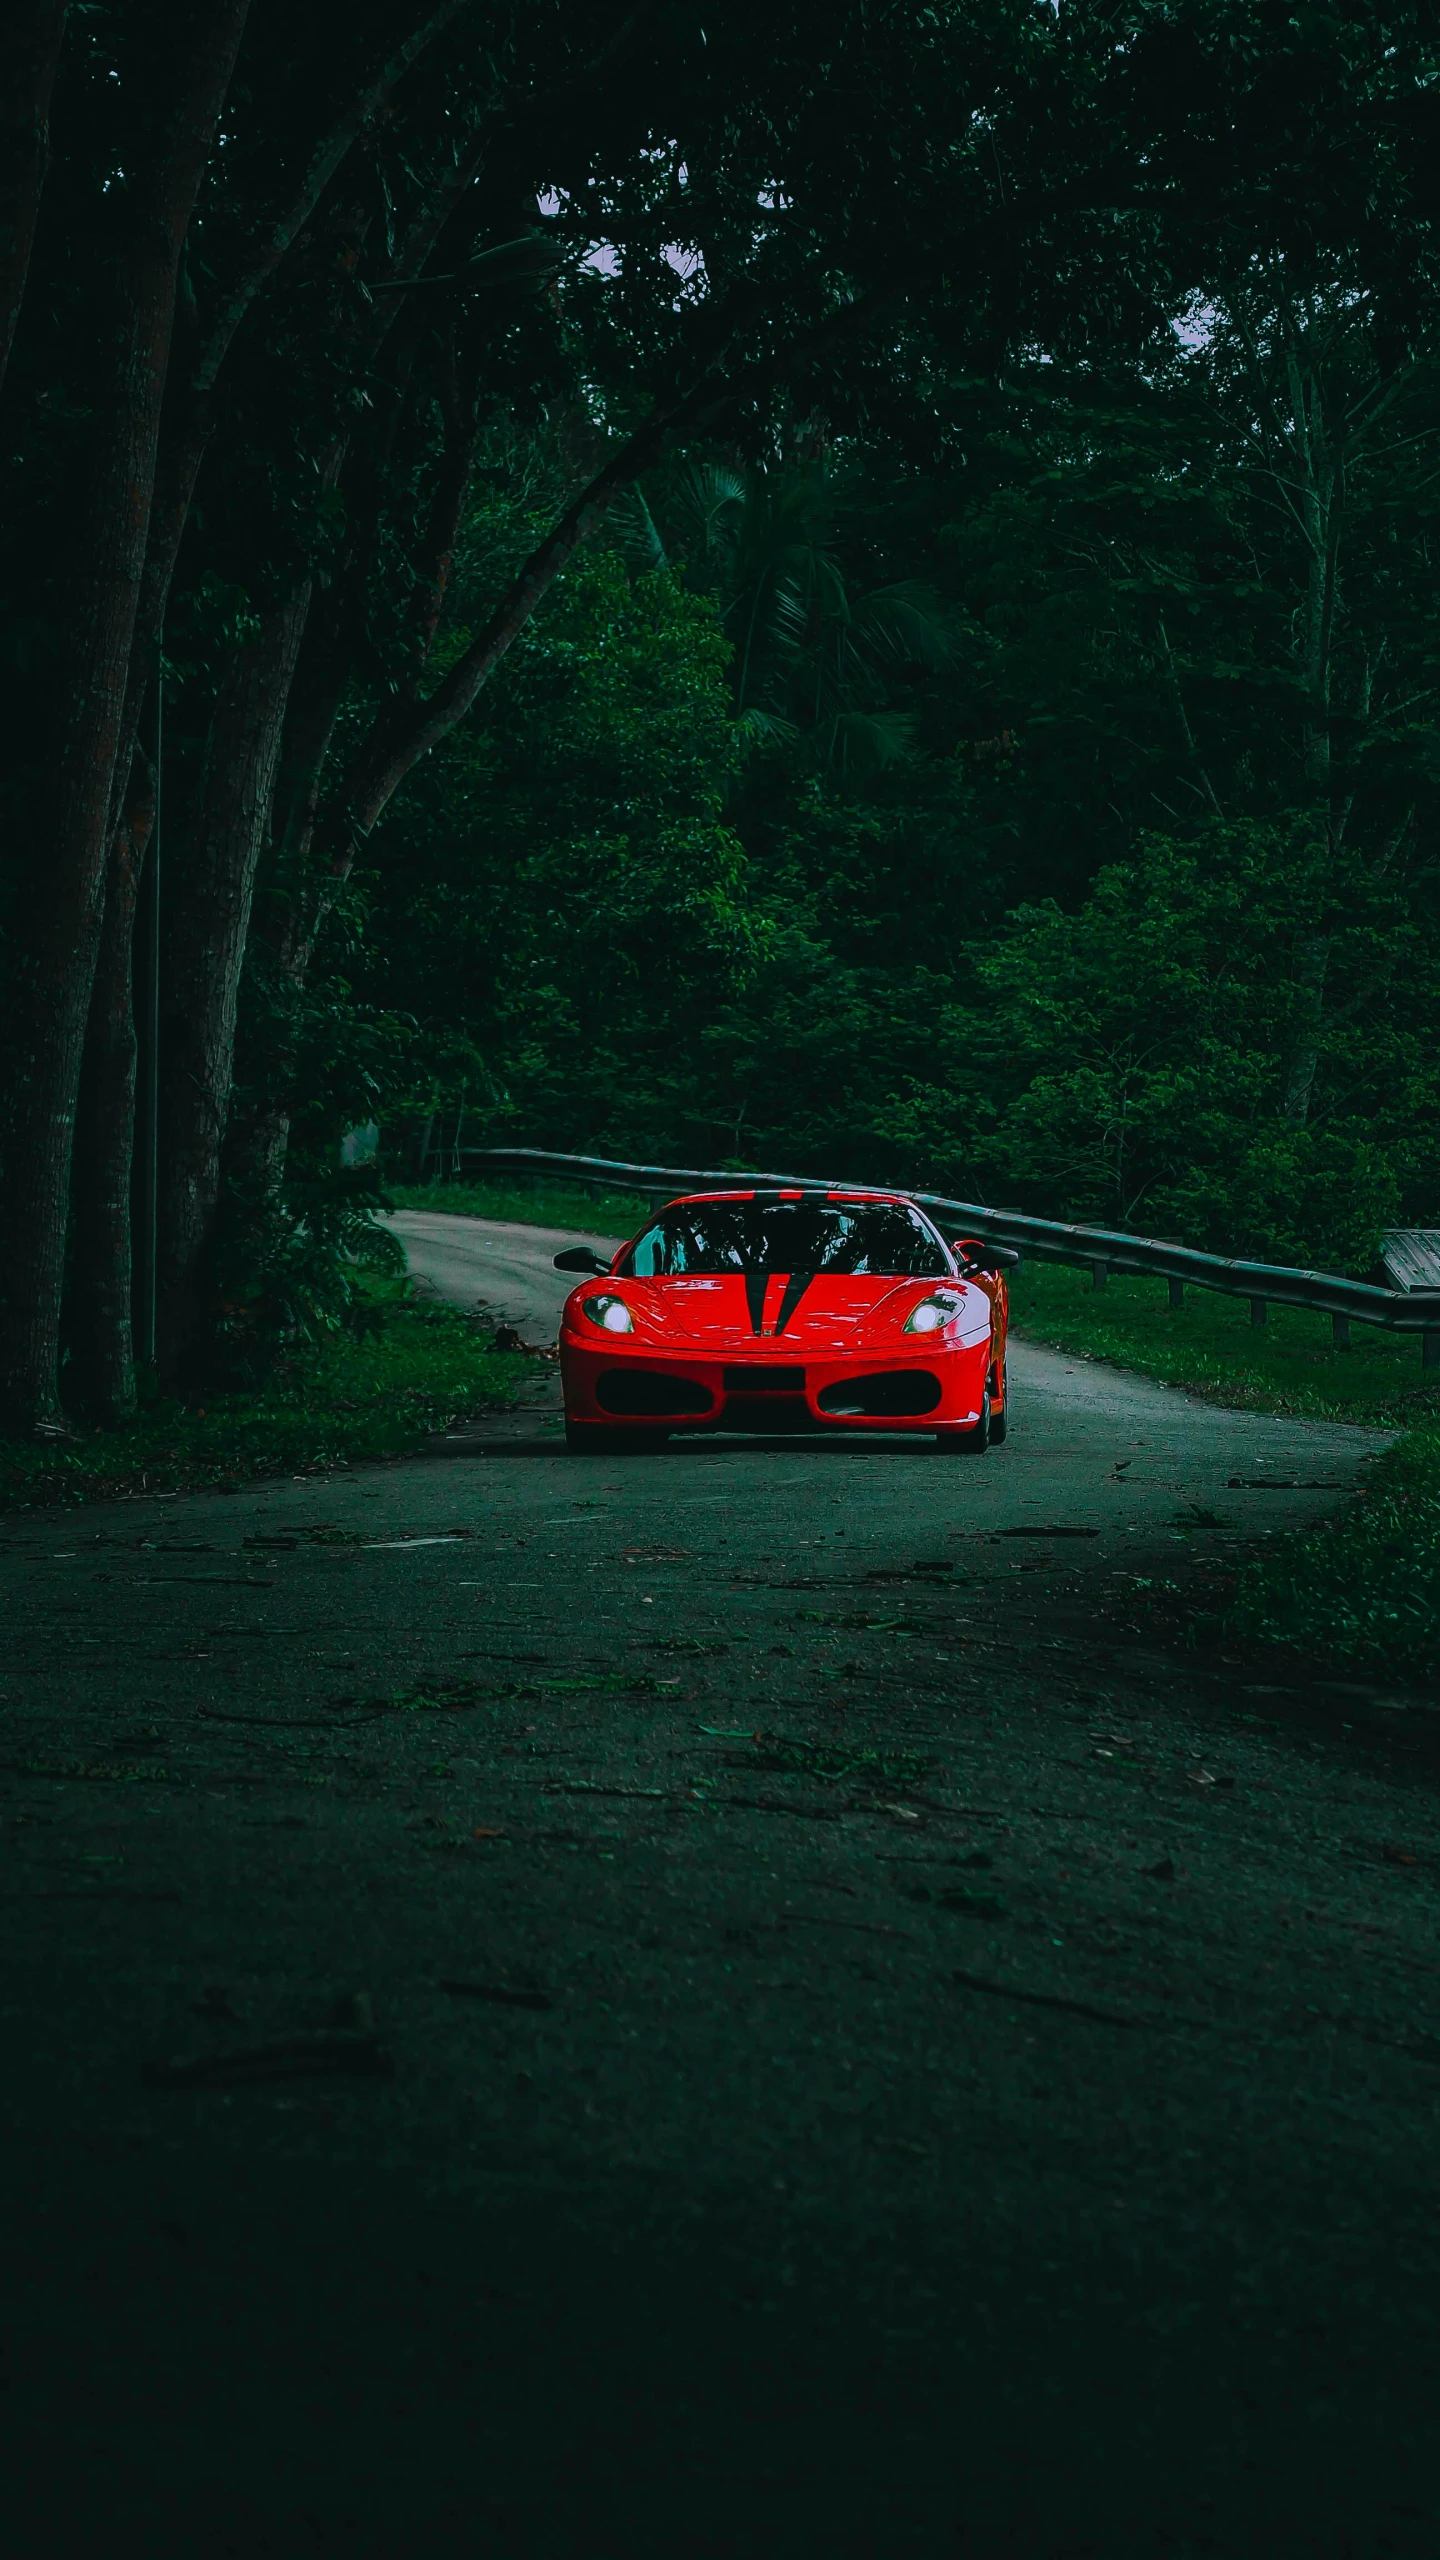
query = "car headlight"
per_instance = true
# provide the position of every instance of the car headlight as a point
(932, 1313)
(611, 1314)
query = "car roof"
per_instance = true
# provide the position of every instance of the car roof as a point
(684, 1199)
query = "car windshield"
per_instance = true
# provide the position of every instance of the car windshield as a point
(880, 1237)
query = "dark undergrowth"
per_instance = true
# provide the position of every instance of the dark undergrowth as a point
(1362, 1592)
(415, 1369)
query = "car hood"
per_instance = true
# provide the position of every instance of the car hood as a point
(838, 1312)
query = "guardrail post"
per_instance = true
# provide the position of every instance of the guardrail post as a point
(1099, 1274)
(1431, 1354)
(1340, 1332)
(1258, 1310)
(1177, 1292)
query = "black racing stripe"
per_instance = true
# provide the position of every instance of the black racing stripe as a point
(756, 1283)
(795, 1288)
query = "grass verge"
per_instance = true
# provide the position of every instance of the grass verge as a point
(1361, 1593)
(532, 1204)
(1209, 1347)
(379, 1396)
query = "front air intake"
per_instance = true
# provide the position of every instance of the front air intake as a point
(889, 1391)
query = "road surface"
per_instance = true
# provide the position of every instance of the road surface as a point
(509, 1270)
(817, 2026)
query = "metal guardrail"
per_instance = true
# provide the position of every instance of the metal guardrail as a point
(1101, 1249)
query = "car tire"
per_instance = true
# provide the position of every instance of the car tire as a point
(597, 1440)
(976, 1440)
(1000, 1422)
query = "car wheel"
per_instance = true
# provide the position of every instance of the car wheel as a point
(976, 1440)
(1000, 1422)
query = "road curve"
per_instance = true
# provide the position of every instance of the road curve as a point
(508, 1270)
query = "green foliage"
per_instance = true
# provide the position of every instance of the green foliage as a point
(1153, 635)
(326, 1058)
(814, 660)
(829, 1761)
(1132, 1056)
(1002, 792)
(1210, 1348)
(1362, 1593)
(973, 774)
(563, 885)
(379, 1394)
(300, 1271)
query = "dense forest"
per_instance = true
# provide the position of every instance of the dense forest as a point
(842, 588)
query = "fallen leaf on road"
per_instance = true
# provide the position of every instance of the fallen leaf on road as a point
(1032, 1530)
(377, 1546)
(115, 1773)
(1284, 1484)
(835, 1760)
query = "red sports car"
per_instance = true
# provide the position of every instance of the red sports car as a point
(762, 1310)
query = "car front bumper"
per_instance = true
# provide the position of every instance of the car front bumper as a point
(924, 1388)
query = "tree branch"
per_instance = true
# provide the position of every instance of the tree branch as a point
(280, 230)
(403, 734)
(1178, 700)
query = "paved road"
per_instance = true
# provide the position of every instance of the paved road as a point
(882, 2049)
(510, 1270)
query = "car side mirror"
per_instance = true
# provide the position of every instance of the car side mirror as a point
(582, 1257)
(976, 1255)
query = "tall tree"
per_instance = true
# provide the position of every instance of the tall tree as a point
(29, 52)
(129, 219)
(180, 73)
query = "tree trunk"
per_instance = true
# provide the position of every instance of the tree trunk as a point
(29, 51)
(187, 424)
(189, 416)
(204, 933)
(293, 913)
(57, 932)
(98, 1306)
(1322, 506)
(1309, 1029)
